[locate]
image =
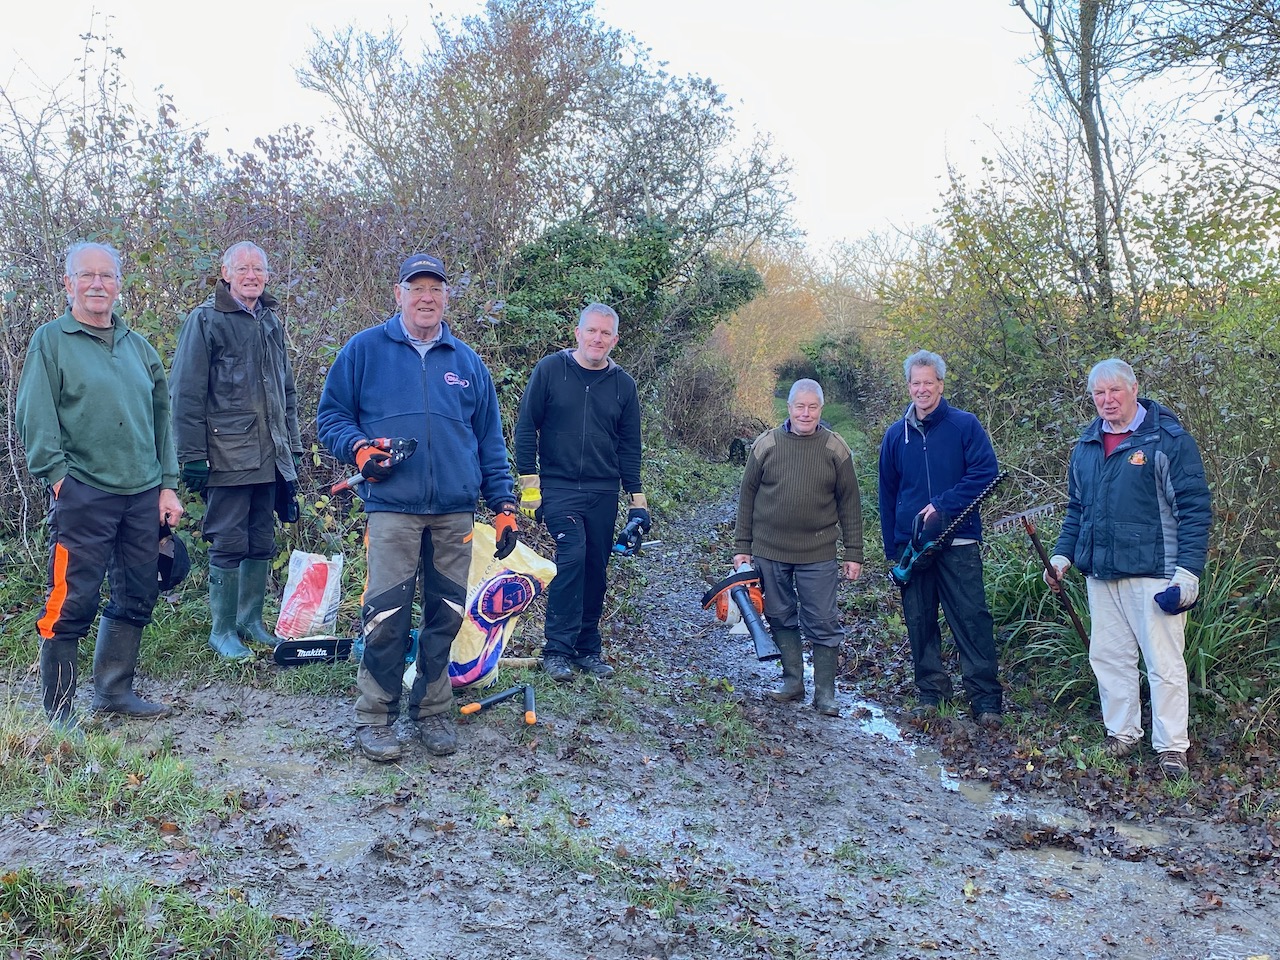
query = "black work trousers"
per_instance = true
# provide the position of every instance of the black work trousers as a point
(240, 523)
(582, 524)
(954, 579)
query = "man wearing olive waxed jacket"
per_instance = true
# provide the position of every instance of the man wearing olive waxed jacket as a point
(235, 425)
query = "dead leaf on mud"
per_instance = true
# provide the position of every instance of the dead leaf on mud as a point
(279, 836)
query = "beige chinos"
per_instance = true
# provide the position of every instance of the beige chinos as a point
(1127, 619)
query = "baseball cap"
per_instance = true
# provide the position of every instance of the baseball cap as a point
(422, 263)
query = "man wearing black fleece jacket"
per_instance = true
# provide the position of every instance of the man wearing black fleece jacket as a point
(577, 444)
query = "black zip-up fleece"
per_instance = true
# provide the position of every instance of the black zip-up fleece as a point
(579, 436)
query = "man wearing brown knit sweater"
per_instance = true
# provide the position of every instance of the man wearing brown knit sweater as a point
(799, 495)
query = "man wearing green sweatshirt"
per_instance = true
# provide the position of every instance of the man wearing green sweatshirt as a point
(798, 492)
(93, 413)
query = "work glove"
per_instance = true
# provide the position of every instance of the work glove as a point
(1188, 583)
(372, 461)
(1181, 593)
(286, 504)
(195, 475)
(1060, 566)
(505, 531)
(297, 461)
(639, 511)
(531, 496)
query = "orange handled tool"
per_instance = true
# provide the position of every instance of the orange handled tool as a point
(530, 715)
(400, 448)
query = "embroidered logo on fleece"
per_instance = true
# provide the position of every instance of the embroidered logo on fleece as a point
(454, 380)
(1138, 458)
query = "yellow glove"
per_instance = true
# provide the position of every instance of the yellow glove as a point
(531, 496)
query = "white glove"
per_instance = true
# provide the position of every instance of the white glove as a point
(1060, 566)
(1188, 585)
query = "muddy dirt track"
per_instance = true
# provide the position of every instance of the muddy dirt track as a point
(643, 819)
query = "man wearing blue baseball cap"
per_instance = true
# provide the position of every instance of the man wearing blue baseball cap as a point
(411, 378)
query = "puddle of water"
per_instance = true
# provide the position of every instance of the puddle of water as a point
(1139, 833)
(290, 772)
(1144, 834)
(1059, 857)
(930, 761)
(870, 718)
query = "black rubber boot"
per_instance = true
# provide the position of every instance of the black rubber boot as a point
(824, 680)
(58, 672)
(224, 597)
(115, 660)
(253, 592)
(792, 685)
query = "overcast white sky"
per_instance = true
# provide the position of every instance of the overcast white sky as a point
(869, 98)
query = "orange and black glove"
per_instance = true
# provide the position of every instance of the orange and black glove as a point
(373, 462)
(505, 530)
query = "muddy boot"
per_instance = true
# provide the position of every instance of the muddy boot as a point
(253, 592)
(824, 680)
(792, 685)
(58, 671)
(224, 597)
(115, 659)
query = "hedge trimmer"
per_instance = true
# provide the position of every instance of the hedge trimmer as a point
(920, 552)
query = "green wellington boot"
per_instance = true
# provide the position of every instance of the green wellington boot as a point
(58, 674)
(824, 680)
(115, 661)
(224, 598)
(792, 685)
(253, 593)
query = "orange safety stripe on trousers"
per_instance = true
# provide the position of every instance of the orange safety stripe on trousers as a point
(57, 592)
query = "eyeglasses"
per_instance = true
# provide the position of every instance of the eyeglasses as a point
(244, 269)
(106, 279)
(423, 289)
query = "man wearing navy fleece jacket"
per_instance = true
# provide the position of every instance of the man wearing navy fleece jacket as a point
(933, 463)
(411, 377)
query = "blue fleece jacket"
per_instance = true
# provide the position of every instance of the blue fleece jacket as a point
(379, 386)
(945, 459)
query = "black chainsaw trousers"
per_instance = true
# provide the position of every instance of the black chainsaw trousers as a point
(92, 535)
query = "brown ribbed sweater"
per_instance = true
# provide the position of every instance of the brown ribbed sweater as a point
(797, 494)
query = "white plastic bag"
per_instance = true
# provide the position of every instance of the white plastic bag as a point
(311, 595)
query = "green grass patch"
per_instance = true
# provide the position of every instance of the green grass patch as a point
(852, 857)
(46, 918)
(130, 795)
(732, 736)
(668, 890)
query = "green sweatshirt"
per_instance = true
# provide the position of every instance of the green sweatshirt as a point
(796, 492)
(99, 413)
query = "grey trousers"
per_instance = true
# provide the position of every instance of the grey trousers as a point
(397, 547)
(803, 596)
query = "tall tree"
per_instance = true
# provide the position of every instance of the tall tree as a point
(1086, 45)
(533, 113)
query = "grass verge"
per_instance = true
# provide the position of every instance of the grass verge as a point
(40, 917)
